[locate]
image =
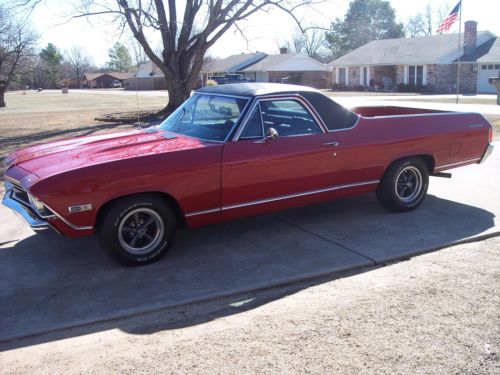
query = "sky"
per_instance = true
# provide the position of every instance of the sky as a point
(264, 32)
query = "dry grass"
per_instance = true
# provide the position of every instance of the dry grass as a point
(45, 116)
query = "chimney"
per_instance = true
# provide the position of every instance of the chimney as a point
(470, 37)
(283, 51)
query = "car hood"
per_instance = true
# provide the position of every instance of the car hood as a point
(56, 157)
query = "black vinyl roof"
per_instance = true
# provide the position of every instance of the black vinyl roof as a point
(255, 89)
(333, 114)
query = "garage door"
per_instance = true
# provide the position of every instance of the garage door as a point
(486, 71)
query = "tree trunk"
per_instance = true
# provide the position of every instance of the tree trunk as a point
(177, 94)
(2, 94)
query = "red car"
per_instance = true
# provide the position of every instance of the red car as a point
(231, 151)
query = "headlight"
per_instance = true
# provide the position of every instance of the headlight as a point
(39, 207)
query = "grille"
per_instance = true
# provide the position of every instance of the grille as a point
(20, 195)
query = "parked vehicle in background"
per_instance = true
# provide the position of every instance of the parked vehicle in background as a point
(116, 84)
(231, 151)
(230, 78)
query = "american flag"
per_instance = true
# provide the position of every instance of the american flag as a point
(450, 19)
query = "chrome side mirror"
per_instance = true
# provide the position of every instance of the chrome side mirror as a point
(272, 135)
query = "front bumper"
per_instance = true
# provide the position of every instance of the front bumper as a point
(27, 213)
(487, 153)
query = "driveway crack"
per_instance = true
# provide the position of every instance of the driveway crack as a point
(326, 239)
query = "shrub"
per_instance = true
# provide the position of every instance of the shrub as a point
(211, 82)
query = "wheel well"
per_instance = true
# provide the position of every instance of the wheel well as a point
(428, 160)
(181, 221)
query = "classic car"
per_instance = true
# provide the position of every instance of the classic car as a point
(231, 151)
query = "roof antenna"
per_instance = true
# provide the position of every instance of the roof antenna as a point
(137, 103)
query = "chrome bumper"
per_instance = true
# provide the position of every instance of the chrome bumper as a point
(487, 153)
(33, 220)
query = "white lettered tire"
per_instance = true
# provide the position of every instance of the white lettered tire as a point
(138, 230)
(404, 185)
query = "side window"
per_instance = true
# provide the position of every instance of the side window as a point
(289, 117)
(253, 129)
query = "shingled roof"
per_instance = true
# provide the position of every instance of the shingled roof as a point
(233, 63)
(435, 49)
(117, 75)
(493, 54)
(286, 62)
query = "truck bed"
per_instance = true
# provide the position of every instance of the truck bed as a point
(379, 111)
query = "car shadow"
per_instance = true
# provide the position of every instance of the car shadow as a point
(69, 287)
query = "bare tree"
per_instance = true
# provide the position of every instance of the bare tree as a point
(426, 23)
(16, 40)
(186, 34)
(310, 42)
(78, 62)
(137, 52)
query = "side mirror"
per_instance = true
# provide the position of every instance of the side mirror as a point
(272, 134)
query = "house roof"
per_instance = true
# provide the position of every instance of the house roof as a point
(148, 70)
(435, 49)
(493, 55)
(93, 76)
(287, 62)
(233, 63)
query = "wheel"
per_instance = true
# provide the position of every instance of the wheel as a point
(138, 230)
(404, 185)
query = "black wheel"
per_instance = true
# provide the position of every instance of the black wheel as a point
(404, 185)
(138, 230)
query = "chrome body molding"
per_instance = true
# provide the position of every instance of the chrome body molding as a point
(283, 197)
(80, 208)
(30, 215)
(457, 164)
(67, 222)
(33, 220)
(487, 153)
(202, 212)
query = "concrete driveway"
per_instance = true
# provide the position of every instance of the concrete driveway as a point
(48, 283)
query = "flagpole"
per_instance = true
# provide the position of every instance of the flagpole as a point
(458, 64)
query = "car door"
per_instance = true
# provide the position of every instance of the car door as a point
(260, 173)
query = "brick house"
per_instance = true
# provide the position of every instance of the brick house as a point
(426, 63)
(284, 67)
(295, 68)
(234, 64)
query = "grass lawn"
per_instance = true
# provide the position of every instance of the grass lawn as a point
(43, 116)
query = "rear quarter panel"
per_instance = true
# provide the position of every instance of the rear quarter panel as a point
(374, 143)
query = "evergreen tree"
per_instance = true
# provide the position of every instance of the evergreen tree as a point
(51, 58)
(119, 58)
(365, 20)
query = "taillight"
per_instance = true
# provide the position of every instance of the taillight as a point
(491, 134)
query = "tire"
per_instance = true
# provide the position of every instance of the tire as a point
(404, 185)
(138, 230)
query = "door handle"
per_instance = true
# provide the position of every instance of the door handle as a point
(331, 144)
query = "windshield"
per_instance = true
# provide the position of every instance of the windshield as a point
(207, 117)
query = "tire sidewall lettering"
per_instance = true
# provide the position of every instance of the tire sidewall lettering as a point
(128, 209)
